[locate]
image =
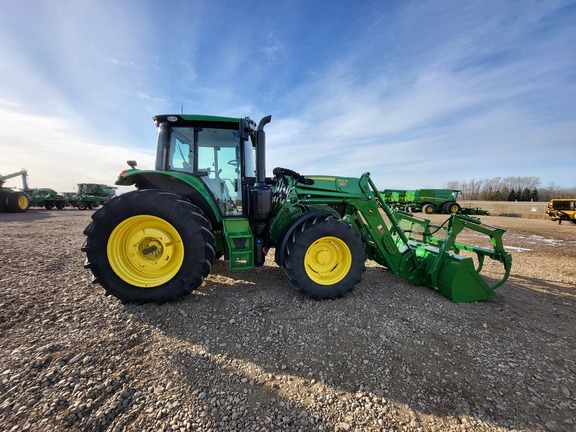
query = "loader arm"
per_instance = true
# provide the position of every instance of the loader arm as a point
(439, 264)
(409, 248)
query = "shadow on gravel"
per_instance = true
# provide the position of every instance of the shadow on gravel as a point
(387, 350)
(29, 216)
(546, 289)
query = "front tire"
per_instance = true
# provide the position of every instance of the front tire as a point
(149, 246)
(325, 258)
(428, 209)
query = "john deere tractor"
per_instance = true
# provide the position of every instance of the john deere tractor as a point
(209, 197)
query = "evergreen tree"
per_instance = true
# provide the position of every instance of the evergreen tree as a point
(525, 195)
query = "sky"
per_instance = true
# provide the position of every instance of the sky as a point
(418, 93)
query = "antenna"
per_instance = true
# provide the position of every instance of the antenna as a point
(181, 109)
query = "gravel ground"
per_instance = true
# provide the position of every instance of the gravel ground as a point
(247, 352)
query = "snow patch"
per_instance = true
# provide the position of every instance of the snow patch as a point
(516, 249)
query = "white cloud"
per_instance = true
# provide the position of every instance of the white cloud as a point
(57, 154)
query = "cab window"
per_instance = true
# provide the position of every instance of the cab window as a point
(219, 161)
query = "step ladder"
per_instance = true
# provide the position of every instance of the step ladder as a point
(240, 242)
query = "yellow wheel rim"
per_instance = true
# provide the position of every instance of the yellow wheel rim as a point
(328, 260)
(145, 251)
(22, 202)
(453, 208)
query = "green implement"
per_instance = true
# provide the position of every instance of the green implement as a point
(14, 201)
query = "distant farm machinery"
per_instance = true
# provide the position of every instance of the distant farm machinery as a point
(88, 196)
(560, 209)
(428, 201)
(14, 201)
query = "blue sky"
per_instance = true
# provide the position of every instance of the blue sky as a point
(418, 93)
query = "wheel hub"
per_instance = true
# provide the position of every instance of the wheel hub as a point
(145, 251)
(328, 260)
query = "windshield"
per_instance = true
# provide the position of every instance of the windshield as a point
(214, 155)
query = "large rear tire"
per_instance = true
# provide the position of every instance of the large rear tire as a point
(325, 258)
(3, 199)
(451, 207)
(149, 246)
(17, 202)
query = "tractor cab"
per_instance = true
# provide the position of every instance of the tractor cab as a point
(218, 151)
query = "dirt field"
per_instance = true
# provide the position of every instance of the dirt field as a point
(247, 352)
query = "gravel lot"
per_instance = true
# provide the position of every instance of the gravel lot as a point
(247, 352)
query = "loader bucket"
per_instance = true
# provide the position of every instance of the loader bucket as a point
(448, 266)
(460, 282)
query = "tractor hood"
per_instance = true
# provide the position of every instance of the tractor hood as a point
(322, 183)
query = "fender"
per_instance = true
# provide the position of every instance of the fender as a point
(182, 184)
(281, 246)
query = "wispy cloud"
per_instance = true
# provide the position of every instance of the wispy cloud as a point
(55, 152)
(415, 92)
(499, 100)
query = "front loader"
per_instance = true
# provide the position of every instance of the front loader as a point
(209, 197)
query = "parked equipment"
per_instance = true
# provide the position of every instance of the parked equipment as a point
(12, 200)
(560, 209)
(209, 196)
(428, 201)
(47, 198)
(91, 195)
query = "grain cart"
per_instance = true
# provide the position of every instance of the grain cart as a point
(209, 196)
(11, 200)
(428, 201)
(560, 209)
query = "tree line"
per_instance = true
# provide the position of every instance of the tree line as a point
(509, 189)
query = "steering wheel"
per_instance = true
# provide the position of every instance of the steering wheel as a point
(234, 163)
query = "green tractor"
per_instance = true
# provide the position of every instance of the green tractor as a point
(11, 200)
(209, 197)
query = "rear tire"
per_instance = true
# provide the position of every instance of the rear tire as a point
(149, 246)
(451, 207)
(17, 202)
(325, 258)
(3, 198)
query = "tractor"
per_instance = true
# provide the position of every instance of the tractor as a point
(11, 200)
(208, 197)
